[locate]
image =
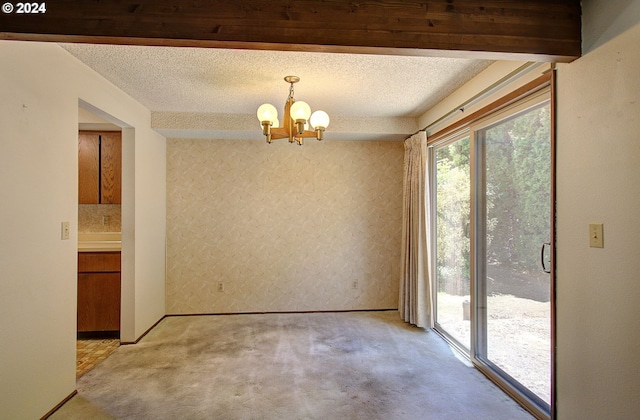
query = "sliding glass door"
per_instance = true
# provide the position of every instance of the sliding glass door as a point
(491, 201)
(513, 179)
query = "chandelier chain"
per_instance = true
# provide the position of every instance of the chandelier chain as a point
(291, 91)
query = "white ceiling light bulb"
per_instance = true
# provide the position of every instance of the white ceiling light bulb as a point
(267, 115)
(300, 110)
(267, 112)
(319, 119)
(299, 113)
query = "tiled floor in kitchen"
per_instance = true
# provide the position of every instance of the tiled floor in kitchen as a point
(91, 352)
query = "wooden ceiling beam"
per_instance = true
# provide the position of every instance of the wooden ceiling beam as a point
(538, 30)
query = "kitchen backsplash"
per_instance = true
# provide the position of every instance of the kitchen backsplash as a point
(99, 218)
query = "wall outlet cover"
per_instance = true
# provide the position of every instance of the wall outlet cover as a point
(596, 235)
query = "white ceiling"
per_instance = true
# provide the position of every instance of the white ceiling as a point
(180, 84)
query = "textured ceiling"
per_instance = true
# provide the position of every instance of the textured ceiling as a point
(221, 81)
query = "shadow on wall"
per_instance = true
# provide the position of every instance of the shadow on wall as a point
(606, 21)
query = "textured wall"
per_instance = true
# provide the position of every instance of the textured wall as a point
(285, 228)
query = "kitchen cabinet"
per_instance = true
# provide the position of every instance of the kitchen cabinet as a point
(99, 167)
(98, 292)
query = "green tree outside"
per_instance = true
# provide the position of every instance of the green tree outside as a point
(518, 198)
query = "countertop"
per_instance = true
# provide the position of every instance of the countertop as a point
(99, 242)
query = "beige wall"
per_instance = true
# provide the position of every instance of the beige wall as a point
(285, 228)
(598, 179)
(41, 86)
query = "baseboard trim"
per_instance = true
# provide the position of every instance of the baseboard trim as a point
(128, 343)
(60, 404)
(284, 312)
(88, 335)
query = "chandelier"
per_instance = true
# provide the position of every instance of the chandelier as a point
(297, 117)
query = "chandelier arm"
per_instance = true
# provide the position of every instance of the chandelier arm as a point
(279, 133)
(307, 134)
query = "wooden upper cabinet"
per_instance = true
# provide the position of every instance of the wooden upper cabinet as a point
(88, 168)
(99, 167)
(110, 168)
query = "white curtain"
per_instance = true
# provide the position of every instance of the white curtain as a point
(415, 306)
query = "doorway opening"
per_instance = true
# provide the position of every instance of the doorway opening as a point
(102, 218)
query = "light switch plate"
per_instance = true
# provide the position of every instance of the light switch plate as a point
(65, 231)
(596, 239)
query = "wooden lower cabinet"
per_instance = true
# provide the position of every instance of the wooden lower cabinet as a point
(98, 291)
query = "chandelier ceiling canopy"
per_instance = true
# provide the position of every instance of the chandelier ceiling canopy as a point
(296, 120)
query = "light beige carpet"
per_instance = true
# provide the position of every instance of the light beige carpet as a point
(359, 365)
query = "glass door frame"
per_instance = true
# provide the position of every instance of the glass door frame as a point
(478, 252)
(540, 90)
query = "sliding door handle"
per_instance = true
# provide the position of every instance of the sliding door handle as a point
(545, 268)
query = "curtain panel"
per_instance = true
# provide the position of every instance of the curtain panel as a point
(415, 303)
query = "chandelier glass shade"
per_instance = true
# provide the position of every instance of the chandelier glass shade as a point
(295, 121)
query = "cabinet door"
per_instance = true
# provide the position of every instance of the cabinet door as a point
(110, 168)
(88, 168)
(98, 302)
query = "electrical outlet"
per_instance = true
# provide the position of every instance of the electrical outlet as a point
(106, 219)
(65, 234)
(354, 285)
(220, 286)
